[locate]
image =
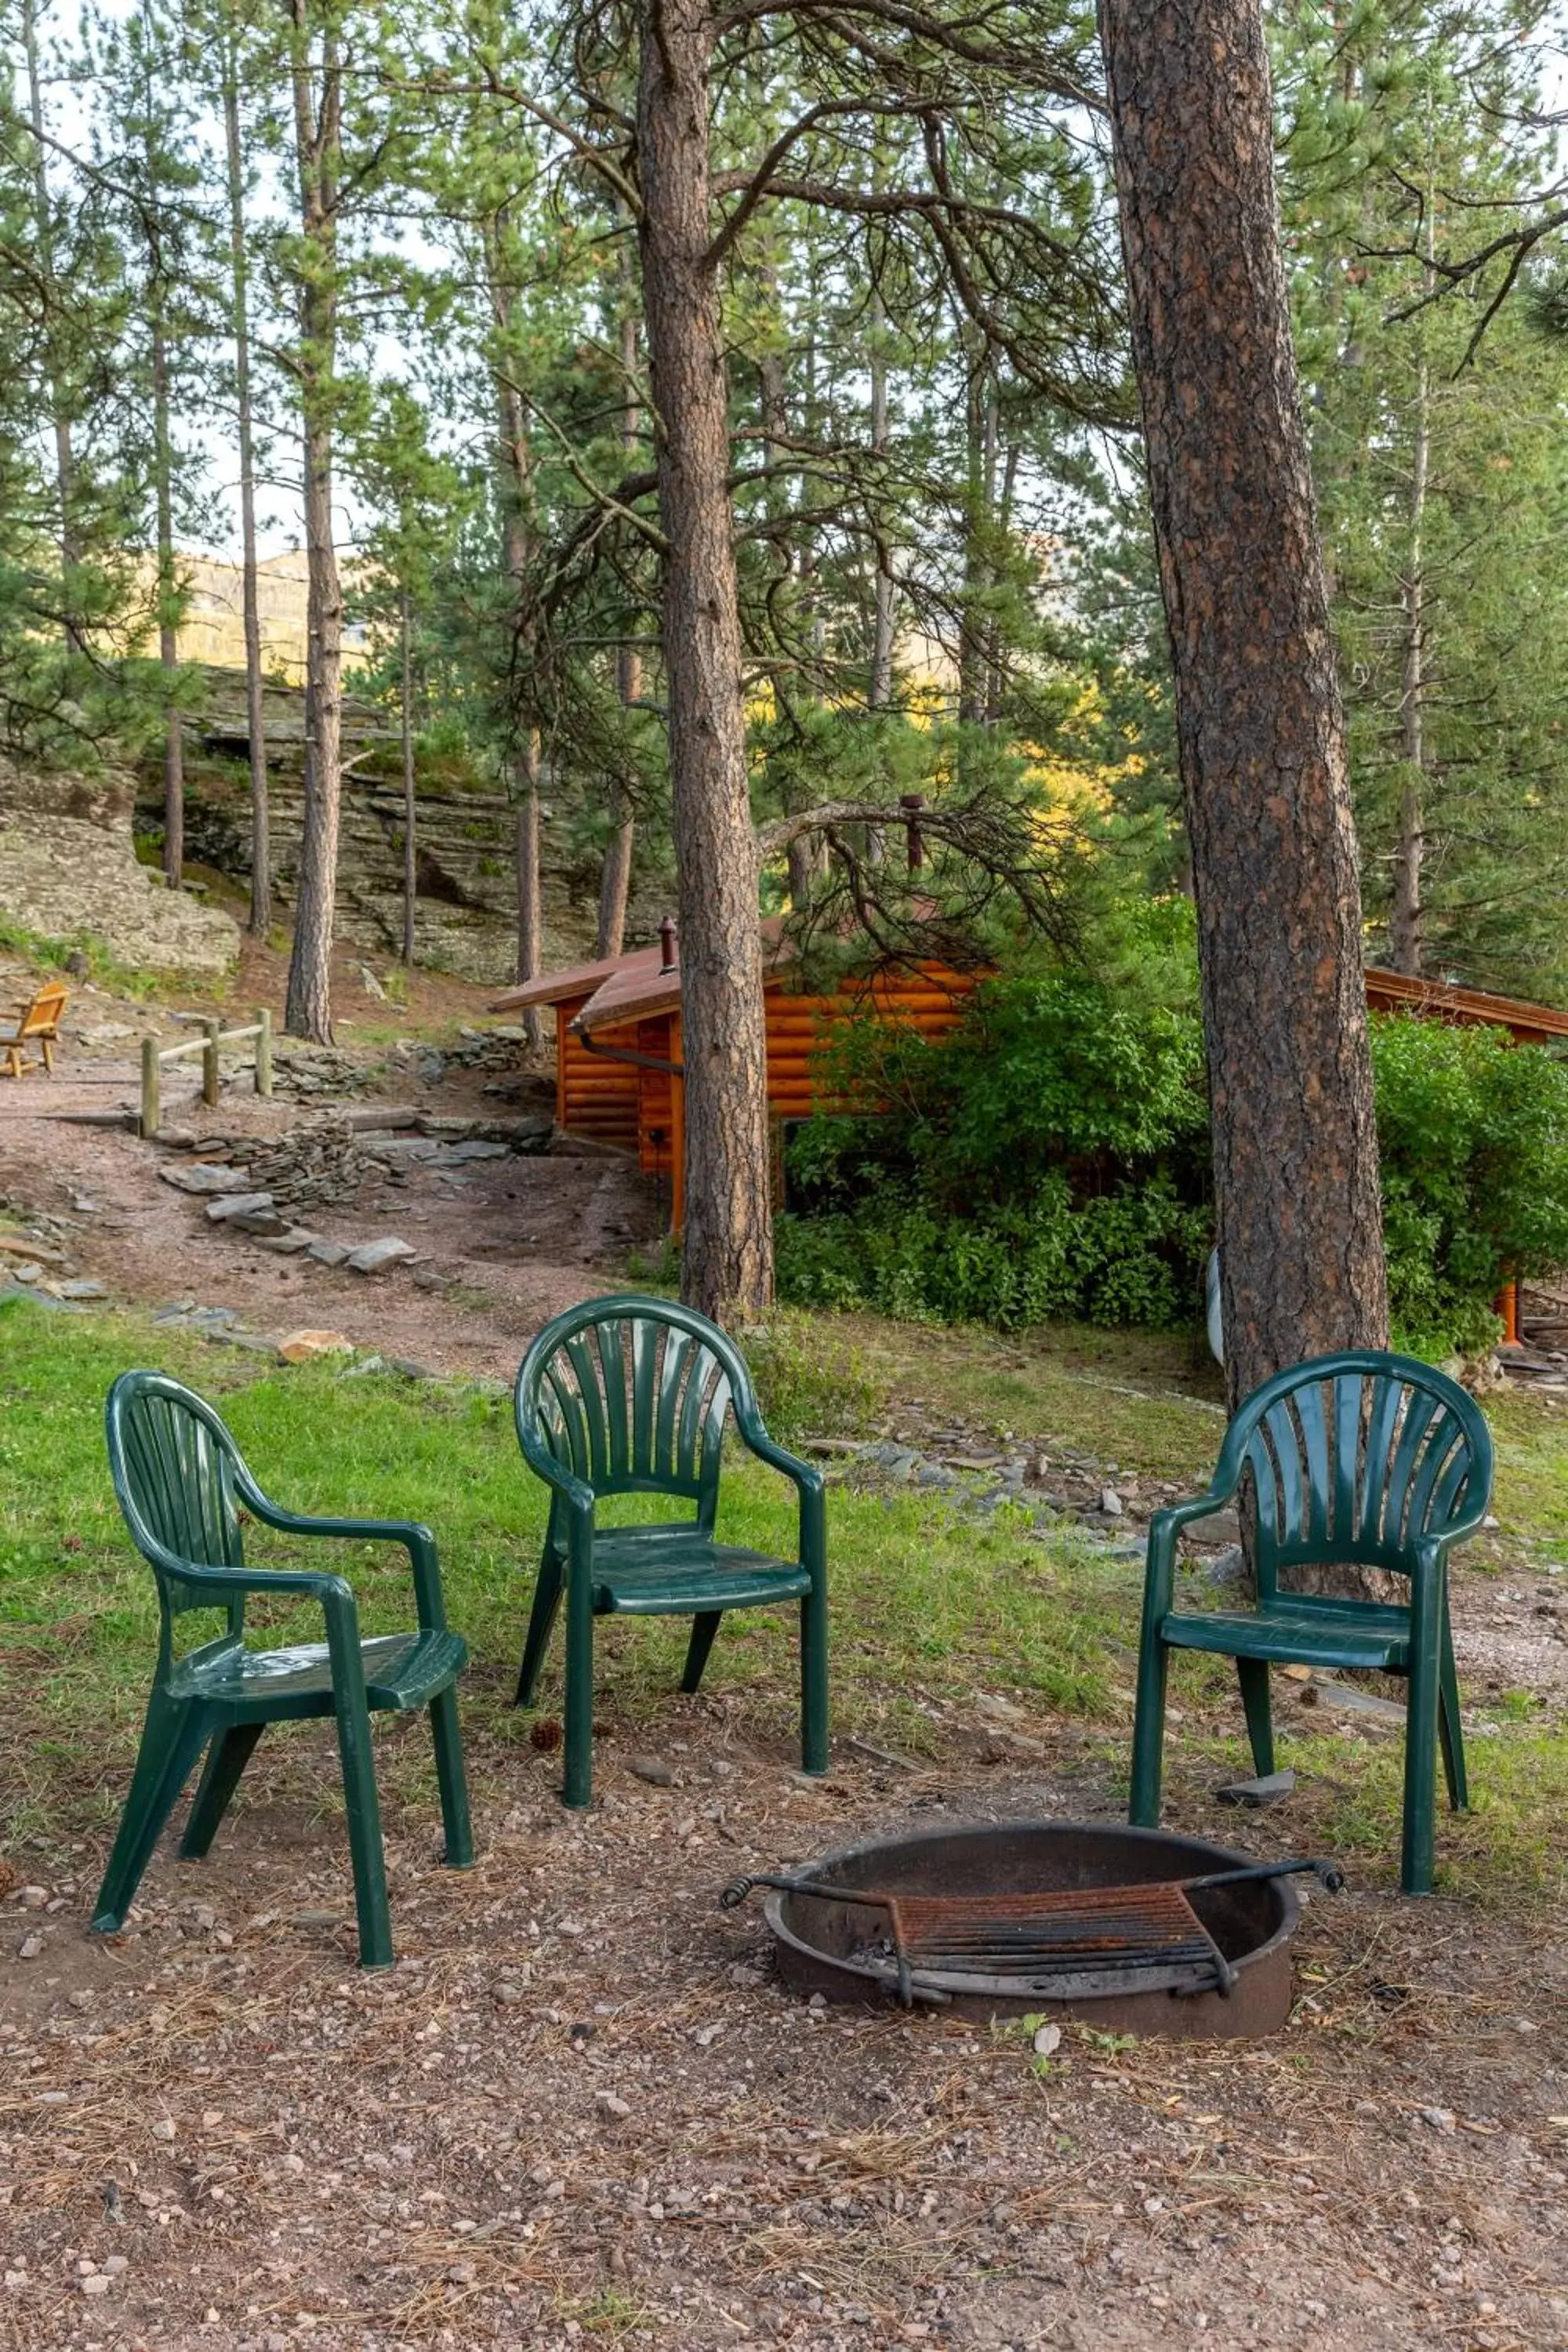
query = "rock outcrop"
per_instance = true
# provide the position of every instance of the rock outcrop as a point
(69, 873)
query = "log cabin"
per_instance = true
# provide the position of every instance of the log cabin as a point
(617, 1041)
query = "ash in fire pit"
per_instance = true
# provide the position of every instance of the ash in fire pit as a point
(1129, 1929)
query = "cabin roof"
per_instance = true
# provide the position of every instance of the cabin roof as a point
(1388, 992)
(577, 980)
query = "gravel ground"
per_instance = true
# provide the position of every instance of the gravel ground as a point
(583, 2109)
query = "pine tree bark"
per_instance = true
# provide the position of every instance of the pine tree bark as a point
(1407, 912)
(308, 1010)
(516, 492)
(1260, 730)
(616, 879)
(163, 495)
(59, 408)
(727, 1262)
(410, 843)
(240, 323)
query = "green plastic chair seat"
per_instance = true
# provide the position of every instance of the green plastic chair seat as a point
(652, 1572)
(1362, 1460)
(1300, 1630)
(401, 1671)
(633, 1397)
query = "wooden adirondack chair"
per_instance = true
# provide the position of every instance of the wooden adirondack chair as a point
(631, 1396)
(38, 1023)
(179, 1477)
(1366, 1459)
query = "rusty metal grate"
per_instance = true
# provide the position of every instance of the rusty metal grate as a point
(1066, 1944)
(1109, 1930)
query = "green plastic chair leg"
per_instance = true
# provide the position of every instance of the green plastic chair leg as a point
(703, 1628)
(172, 1739)
(1424, 1708)
(1148, 1735)
(452, 1780)
(578, 1789)
(227, 1756)
(1253, 1676)
(1451, 1735)
(364, 1809)
(814, 1681)
(541, 1624)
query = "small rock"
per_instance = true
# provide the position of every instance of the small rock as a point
(84, 1204)
(205, 1178)
(612, 2104)
(81, 1289)
(458, 2273)
(97, 2283)
(29, 1273)
(511, 1995)
(371, 1257)
(1111, 1504)
(289, 1244)
(1267, 1789)
(1220, 1528)
(241, 1207)
(1440, 2119)
(31, 1898)
(1046, 2039)
(329, 1253)
(653, 1769)
(301, 1347)
(706, 2035)
(29, 1948)
(163, 2129)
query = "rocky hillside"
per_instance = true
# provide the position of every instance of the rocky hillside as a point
(68, 871)
(467, 916)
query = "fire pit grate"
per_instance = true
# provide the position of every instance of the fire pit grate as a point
(1006, 1917)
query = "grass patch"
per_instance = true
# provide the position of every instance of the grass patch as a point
(931, 1604)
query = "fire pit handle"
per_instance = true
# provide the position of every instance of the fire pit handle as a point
(731, 1898)
(1327, 1874)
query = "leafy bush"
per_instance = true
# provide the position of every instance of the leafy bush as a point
(1050, 1159)
(804, 1386)
(1473, 1133)
(1047, 1159)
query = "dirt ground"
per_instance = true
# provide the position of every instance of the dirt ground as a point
(583, 2109)
(501, 1244)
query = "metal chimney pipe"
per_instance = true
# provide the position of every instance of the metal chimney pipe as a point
(666, 955)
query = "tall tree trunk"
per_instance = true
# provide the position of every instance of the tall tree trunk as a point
(168, 590)
(410, 845)
(530, 924)
(308, 1010)
(239, 323)
(516, 489)
(728, 1260)
(1259, 725)
(1405, 915)
(879, 687)
(1407, 912)
(616, 881)
(163, 494)
(59, 406)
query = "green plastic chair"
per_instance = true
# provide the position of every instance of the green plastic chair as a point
(631, 1396)
(1366, 1459)
(180, 1480)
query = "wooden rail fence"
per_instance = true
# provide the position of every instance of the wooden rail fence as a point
(214, 1037)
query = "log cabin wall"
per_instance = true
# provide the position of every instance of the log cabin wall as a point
(594, 1097)
(930, 999)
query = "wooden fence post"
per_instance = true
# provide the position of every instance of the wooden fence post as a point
(264, 1050)
(209, 1063)
(149, 1076)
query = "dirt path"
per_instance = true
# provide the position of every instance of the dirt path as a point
(501, 1243)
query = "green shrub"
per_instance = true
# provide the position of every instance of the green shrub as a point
(1473, 1133)
(807, 1387)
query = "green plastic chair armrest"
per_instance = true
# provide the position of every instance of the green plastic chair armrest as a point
(807, 1478)
(416, 1539)
(573, 1490)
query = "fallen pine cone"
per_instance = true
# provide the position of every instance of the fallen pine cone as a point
(544, 1734)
